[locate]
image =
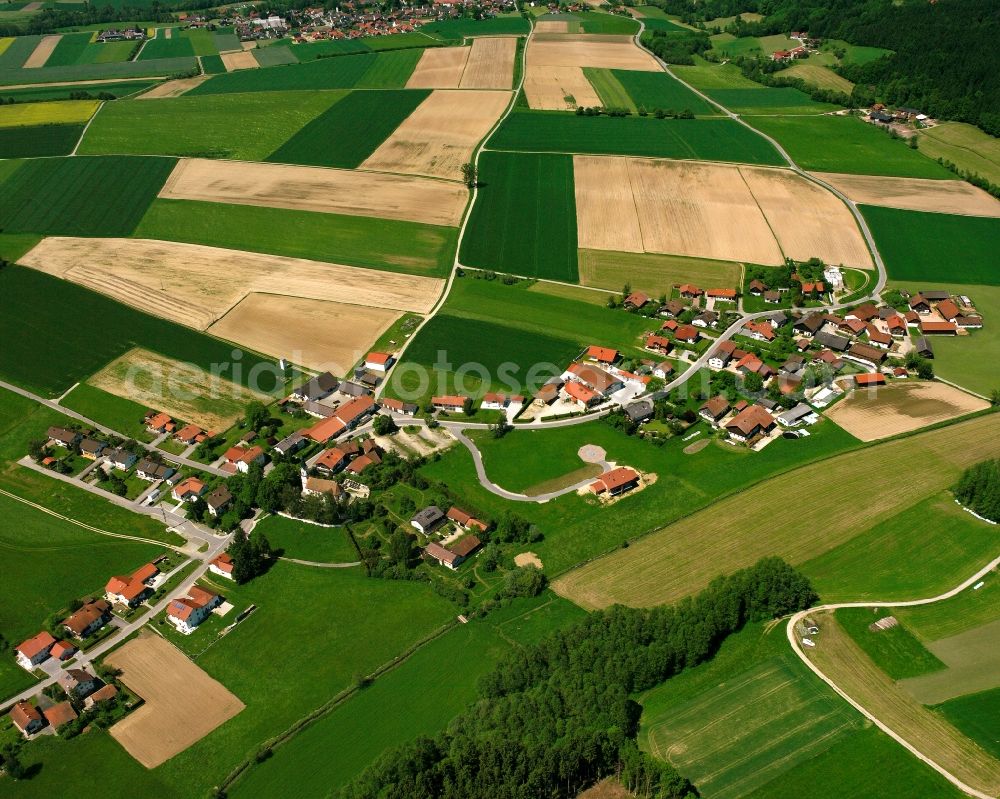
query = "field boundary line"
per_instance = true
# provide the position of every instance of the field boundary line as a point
(791, 633)
(87, 127)
(85, 526)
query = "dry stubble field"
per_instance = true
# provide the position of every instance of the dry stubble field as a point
(901, 407)
(843, 661)
(973, 661)
(325, 336)
(491, 63)
(680, 559)
(915, 194)
(241, 59)
(716, 211)
(173, 88)
(307, 188)
(439, 68)
(653, 273)
(440, 135)
(182, 703)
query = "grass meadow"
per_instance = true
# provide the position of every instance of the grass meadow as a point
(524, 218)
(652, 90)
(964, 145)
(763, 100)
(110, 410)
(389, 244)
(162, 47)
(56, 196)
(976, 716)
(653, 273)
(896, 651)
(702, 139)
(920, 246)
(39, 141)
(705, 75)
(244, 127)
(846, 144)
(39, 356)
(350, 130)
(308, 541)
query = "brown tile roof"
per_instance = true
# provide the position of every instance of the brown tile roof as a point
(60, 714)
(750, 419)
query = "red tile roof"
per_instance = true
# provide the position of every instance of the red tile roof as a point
(223, 562)
(380, 358)
(615, 479)
(602, 354)
(33, 646)
(870, 379)
(580, 393)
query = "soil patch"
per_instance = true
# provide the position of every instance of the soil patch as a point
(528, 559)
(173, 88)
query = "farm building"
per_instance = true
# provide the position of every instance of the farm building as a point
(428, 520)
(615, 482)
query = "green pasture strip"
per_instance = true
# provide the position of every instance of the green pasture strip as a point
(351, 129)
(920, 246)
(70, 50)
(244, 127)
(399, 41)
(325, 73)
(202, 41)
(524, 218)
(609, 88)
(614, 24)
(161, 67)
(706, 75)
(387, 244)
(701, 139)
(329, 48)
(659, 90)
(212, 65)
(107, 52)
(458, 29)
(977, 717)
(36, 141)
(846, 144)
(57, 195)
(38, 355)
(225, 40)
(895, 650)
(767, 100)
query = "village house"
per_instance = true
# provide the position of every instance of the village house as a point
(346, 417)
(689, 291)
(923, 348)
(581, 394)
(26, 718)
(371, 458)
(706, 319)
(919, 304)
(760, 331)
(602, 355)
(714, 409)
(673, 308)
(119, 458)
(222, 565)
(316, 388)
(593, 377)
(687, 334)
(398, 406)
(219, 500)
(749, 423)
(317, 409)
(103, 694)
(499, 402)
(62, 650)
(878, 338)
(428, 520)
(722, 355)
(636, 300)
(465, 520)
(728, 295)
(863, 313)
(660, 344)
(59, 714)
(62, 436)
(88, 619)
(91, 448)
(78, 683)
(772, 297)
(795, 416)
(929, 328)
(190, 434)
(34, 651)
(810, 325)
(291, 444)
(379, 361)
(448, 403)
(186, 613)
(242, 458)
(132, 589)
(454, 557)
(639, 411)
(188, 490)
(869, 356)
(151, 471)
(317, 486)
(756, 288)
(869, 379)
(615, 482)
(159, 423)
(333, 460)
(663, 370)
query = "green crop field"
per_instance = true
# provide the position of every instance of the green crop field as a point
(745, 718)
(969, 610)
(706, 75)
(109, 410)
(703, 139)
(652, 273)
(38, 355)
(22, 114)
(921, 246)
(107, 53)
(77, 562)
(613, 24)
(350, 130)
(39, 140)
(307, 541)
(896, 651)
(340, 745)
(400, 41)
(70, 49)
(202, 41)
(763, 101)
(977, 716)
(389, 244)
(654, 90)
(328, 47)
(846, 144)
(966, 146)
(17, 52)
(43, 92)
(274, 56)
(245, 127)
(967, 360)
(162, 47)
(212, 65)
(609, 88)
(457, 29)
(524, 218)
(390, 70)
(158, 67)
(57, 195)
(873, 565)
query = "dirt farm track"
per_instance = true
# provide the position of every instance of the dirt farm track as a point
(182, 703)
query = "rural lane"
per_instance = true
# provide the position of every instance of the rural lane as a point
(793, 640)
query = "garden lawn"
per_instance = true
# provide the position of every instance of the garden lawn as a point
(702, 139)
(846, 144)
(524, 218)
(38, 355)
(245, 127)
(350, 130)
(305, 541)
(393, 245)
(109, 410)
(875, 566)
(57, 195)
(38, 141)
(920, 246)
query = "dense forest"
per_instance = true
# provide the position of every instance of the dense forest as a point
(979, 489)
(555, 717)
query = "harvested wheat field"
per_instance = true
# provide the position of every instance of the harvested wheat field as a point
(491, 63)
(915, 194)
(440, 135)
(552, 26)
(308, 188)
(173, 88)
(183, 390)
(871, 414)
(325, 336)
(41, 52)
(182, 704)
(241, 59)
(807, 220)
(559, 89)
(716, 211)
(205, 282)
(681, 558)
(853, 671)
(439, 68)
(586, 51)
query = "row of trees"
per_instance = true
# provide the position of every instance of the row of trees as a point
(979, 489)
(555, 717)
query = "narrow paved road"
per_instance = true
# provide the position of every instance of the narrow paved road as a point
(791, 631)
